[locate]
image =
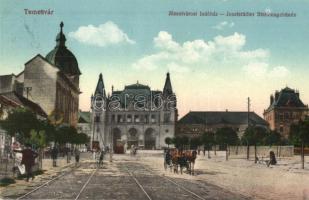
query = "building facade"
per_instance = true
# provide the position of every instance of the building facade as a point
(285, 109)
(194, 124)
(52, 82)
(135, 116)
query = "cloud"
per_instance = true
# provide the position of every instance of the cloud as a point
(102, 35)
(223, 25)
(279, 72)
(262, 70)
(199, 53)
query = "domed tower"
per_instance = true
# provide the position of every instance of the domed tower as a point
(64, 59)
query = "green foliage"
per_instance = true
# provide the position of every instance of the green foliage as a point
(226, 135)
(168, 141)
(37, 138)
(208, 138)
(299, 133)
(184, 141)
(80, 138)
(273, 138)
(20, 122)
(195, 142)
(6, 181)
(254, 135)
(177, 141)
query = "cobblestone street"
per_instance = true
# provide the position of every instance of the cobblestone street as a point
(125, 178)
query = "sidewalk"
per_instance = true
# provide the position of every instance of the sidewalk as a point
(49, 171)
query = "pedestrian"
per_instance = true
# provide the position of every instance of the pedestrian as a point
(54, 155)
(101, 158)
(28, 159)
(77, 155)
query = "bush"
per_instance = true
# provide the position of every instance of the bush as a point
(6, 181)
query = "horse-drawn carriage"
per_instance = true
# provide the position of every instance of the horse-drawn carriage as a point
(176, 160)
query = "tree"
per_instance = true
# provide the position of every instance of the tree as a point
(195, 142)
(19, 123)
(226, 136)
(168, 141)
(176, 141)
(184, 141)
(299, 135)
(208, 139)
(273, 138)
(254, 135)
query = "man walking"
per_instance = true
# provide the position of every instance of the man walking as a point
(28, 158)
(77, 155)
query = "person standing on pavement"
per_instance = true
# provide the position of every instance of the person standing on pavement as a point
(77, 155)
(54, 154)
(28, 159)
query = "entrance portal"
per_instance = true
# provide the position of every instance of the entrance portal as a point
(117, 144)
(132, 138)
(150, 139)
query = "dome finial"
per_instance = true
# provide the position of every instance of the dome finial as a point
(61, 26)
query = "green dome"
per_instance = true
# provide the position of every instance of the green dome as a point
(62, 57)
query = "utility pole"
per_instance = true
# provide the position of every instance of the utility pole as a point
(248, 117)
(248, 125)
(27, 89)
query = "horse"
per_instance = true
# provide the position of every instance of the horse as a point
(191, 157)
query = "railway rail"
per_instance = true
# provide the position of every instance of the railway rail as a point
(24, 196)
(193, 194)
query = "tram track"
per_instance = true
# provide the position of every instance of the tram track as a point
(62, 175)
(181, 187)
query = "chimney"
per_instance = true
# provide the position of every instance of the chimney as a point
(271, 99)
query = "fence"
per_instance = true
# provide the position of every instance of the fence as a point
(262, 151)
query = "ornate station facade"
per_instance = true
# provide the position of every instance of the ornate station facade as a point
(135, 116)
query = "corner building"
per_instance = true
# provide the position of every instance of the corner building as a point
(285, 108)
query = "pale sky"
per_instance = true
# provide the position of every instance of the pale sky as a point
(215, 62)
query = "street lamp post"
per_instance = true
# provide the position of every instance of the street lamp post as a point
(111, 145)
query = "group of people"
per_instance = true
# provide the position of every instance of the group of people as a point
(28, 156)
(174, 159)
(54, 155)
(98, 156)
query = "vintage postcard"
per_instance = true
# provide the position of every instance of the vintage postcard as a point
(152, 99)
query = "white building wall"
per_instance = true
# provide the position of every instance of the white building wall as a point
(41, 77)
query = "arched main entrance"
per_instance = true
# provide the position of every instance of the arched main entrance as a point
(132, 137)
(117, 144)
(150, 139)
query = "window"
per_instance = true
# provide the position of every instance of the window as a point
(136, 118)
(281, 129)
(167, 117)
(153, 118)
(119, 118)
(129, 118)
(113, 118)
(195, 129)
(146, 118)
(286, 115)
